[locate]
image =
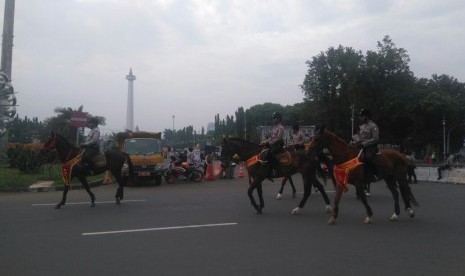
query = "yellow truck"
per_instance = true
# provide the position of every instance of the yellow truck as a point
(145, 151)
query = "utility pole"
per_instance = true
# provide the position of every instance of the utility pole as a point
(7, 97)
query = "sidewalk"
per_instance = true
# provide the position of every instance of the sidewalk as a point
(430, 174)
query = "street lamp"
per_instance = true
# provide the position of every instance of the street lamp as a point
(444, 136)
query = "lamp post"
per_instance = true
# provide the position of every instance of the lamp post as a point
(444, 136)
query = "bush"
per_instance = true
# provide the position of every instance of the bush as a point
(26, 158)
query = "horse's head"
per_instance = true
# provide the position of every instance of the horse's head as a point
(318, 142)
(51, 143)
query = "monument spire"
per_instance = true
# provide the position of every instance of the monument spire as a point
(130, 110)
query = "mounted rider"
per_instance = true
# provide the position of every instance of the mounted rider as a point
(92, 144)
(275, 143)
(367, 138)
(298, 138)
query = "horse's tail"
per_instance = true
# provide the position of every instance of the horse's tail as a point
(131, 168)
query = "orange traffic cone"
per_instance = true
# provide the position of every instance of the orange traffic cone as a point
(107, 179)
(241, 171)
(209, 175)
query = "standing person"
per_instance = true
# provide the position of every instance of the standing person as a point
(447, 165)
(92, 144)
(190, 156)
(275, 143)
(297, 137)
(367, 138)
(411, 166)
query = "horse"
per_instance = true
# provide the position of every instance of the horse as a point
(298, 162)
(68, 154)
(391, 166)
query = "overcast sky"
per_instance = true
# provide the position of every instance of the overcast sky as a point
(194, 59)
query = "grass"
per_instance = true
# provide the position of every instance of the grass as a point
(11, 178)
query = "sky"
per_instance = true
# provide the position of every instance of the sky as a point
(194, 59)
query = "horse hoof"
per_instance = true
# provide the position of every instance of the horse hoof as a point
(296, 211)
(58, 206)
(368, 220)
(332, 220)
(279, 196)
(259, 212)
(411, 212)
(394, 217)
(293, 195)
(328, 209)
(92, 204)
(118, 200)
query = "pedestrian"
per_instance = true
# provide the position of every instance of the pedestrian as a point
(411, 166)
(447, 165)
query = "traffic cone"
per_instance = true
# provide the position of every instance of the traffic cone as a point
(241, 171)
(107, 179)
(209, 175)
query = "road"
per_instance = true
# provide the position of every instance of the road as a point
(210, 228)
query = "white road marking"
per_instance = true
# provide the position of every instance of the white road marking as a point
(158, 229)
(87, 202)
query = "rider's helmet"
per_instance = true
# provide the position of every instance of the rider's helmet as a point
(277, 115)
(365, 112)
(295, 127)
(93, 121)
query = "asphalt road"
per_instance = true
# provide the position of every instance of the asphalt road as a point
(210, 228)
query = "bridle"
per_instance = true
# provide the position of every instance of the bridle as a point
(50, 145)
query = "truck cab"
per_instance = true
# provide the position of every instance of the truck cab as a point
(145, 151)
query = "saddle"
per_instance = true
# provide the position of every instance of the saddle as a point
(284, 157)
(98, 161)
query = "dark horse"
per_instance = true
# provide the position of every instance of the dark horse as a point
(114, 161)
(391, 166)
(299, 162)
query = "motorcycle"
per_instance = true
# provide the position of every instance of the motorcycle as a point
(182, 170)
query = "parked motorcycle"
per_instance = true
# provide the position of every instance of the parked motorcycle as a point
(182, 170)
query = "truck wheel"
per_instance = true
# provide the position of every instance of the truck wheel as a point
(197, 176)
(158, 180)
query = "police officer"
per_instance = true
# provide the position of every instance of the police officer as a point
(92, 143)
(297, 138)
(275, 143)
(367, 138)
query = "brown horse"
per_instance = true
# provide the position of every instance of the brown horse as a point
(67, 153)
(391, 166)
(298, 162)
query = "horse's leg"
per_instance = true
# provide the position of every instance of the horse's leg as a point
(360, 189)
(280, 192)
(250, 194)
(391, 183)
(85, 184)
(293, 187)
(337, 198)
(322, 191)
(307, 192)
(260, 196)
(120, 191)
(406, 193)
(63, 199)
